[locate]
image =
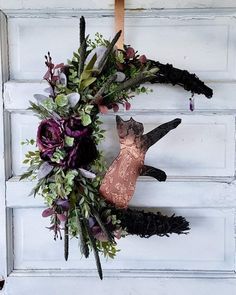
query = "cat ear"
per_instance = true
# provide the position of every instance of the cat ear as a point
(118, 120)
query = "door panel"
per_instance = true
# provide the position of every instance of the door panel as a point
(195, 251)
(200, 146)
(210, 42)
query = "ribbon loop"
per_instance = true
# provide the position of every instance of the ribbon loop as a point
(119, 21)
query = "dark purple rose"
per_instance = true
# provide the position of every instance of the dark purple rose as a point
(83, 152)
(49, 137)
(74, 128)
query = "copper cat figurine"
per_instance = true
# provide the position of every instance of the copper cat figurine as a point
(119, 182)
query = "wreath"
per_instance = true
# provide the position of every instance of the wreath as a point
(84, 199)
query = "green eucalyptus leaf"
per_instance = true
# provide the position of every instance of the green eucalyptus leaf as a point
(61, 100)
(48, 104)
(86, 120)
(69, 140)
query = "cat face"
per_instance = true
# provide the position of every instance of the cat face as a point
(129, 129)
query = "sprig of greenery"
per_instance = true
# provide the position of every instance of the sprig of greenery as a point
(99, 40)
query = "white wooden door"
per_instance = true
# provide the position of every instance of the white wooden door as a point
(198, 157)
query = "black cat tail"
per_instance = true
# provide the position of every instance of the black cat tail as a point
(147, 224)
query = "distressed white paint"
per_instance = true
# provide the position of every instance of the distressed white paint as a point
(3, 218)
(199, 263)
(18, 93)
(210, 245)
(177, 153)
(149, 193)
(174, 40)
(127, 286)
(109, 4)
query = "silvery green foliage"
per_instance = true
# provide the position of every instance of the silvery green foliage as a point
(99, 51)
(73, 99)
(87, 174)
(44, 170)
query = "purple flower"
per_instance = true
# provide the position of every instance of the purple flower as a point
(102, 108)
(52, 74)
(74, 128)
(57, 230)
(99, 234)
(47, 212)
(127, 106)
(52, 135)
(59, 215)
(83, 152)
(49, 136)
(63, 203)
(115, 107)
(62, 217)
(143, 59)
(130, 52)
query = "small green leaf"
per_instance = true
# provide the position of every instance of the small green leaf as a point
(76, 80)
(61, 100)
(48, 104)
(91, 63)
(76, 55)
(85, 75)
(143, 89)
(85, 83)
(26, 175)
(69, 140)
(73, 75)
(154, 70)
(120, 57)
(86, 120)
(88, 109)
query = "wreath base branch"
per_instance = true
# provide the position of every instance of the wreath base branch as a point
(147, 224)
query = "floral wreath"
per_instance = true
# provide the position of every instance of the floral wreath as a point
(67, 163)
